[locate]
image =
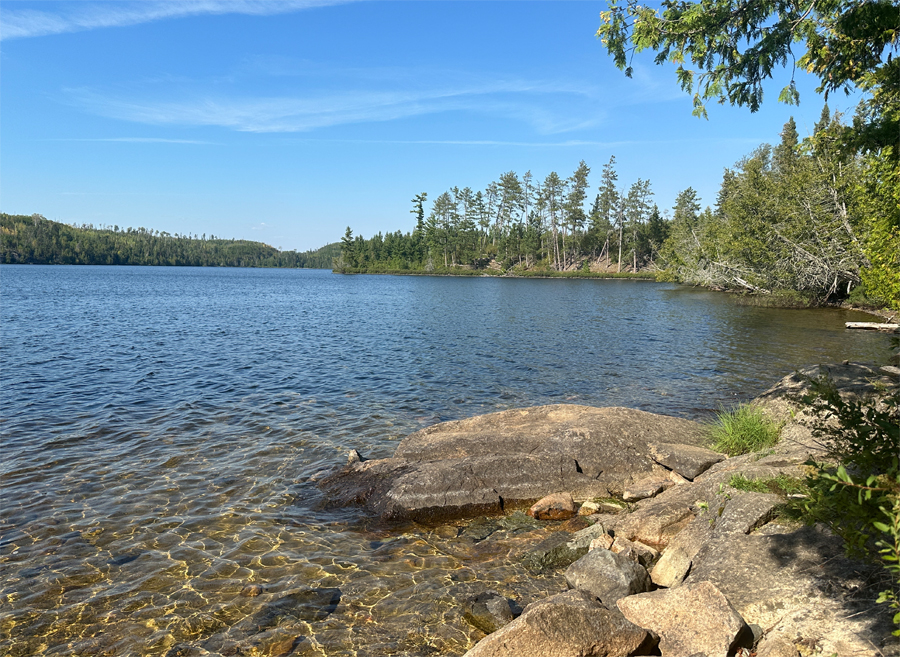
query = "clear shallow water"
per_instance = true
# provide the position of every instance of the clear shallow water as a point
(160, 428)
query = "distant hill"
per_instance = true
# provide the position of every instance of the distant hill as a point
(36, 240)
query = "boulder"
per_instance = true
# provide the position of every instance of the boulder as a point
(634, 550)
(740, 514)
(603, 542)
(557, 506)
(690, 619)
(562, 548)
(607, 576)
(646, 488)
(588, 508)
(655, 524)
(488, 611)
(796, 582)
(490, 463)
(566, 625)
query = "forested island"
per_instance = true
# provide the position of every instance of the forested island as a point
(808, 221)
(36, 240)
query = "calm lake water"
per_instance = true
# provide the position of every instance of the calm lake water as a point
(162, 430)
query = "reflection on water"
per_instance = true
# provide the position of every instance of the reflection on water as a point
(162, 427)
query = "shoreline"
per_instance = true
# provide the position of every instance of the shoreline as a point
(884, 313)
(677, 553)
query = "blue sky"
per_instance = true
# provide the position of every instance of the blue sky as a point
(286, 121)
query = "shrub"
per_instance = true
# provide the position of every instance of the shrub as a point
(743, 430)
(857, 492)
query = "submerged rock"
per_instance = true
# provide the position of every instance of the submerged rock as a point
(488, 611)
(305, 605)
(561, 549)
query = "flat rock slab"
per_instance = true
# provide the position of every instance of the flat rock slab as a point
(796, 582)
(489, 463)
(689, 620)
(566, 625)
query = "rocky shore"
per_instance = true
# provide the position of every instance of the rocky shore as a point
(662, 554)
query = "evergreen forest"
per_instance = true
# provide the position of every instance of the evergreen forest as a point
(807, 217)
(36, 240)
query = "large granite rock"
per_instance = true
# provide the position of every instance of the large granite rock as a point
(689, 620)
(489, 463)
(740, 514)
(608, 576)
(570, 624)
(796, 582)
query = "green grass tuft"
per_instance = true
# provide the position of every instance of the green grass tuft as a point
(743, 430)
(783, 485)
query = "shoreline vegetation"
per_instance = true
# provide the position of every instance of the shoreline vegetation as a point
(36, 240)
(805, 223)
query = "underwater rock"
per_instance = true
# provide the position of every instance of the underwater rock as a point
(306, 605)
(488, 611)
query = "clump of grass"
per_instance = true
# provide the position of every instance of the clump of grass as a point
(743, 430)
(783, 485)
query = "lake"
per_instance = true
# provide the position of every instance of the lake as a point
(162, 430)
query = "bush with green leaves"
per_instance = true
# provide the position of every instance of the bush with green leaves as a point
(856, 490)
(742, 430)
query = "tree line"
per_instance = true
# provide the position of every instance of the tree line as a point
(37, 240)
(524, 223)
(809, 216)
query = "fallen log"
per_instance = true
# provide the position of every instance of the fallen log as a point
(872, 326)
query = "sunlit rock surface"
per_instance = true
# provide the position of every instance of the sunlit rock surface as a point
(489, 463)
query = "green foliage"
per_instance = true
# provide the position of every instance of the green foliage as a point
(519, 224)
(742, 430)
(736, 45)
(877, 194)
(889, 550)
(862, 435)
(789, 221)
(824, 216)
(36, 240)
(858, 488)
(859, 297)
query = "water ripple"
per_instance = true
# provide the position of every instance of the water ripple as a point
(161, 429)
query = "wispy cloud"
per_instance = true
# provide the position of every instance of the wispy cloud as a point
(16, 23)
(571, 143)
(547, 107)
(137, 140)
